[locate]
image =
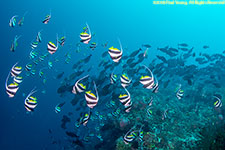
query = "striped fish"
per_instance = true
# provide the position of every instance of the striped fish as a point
(52, 48)
(86, 37)
(180, 94)
(126, 100)
(18, 79)
(125, 81)
(86, 118)
(147, 81)
(21, 21)
(79, 87)
(50, 64)
(13, 46)
(38, 37)
(91, 99)
(30, 102)
(12, 21)
(62, 40)
(28, 67)
(16, 70)
(11, 89)
(93, 45)
(41, 58)
(33, 72)
(113, 78)
(141, 134)
(41, 72)
(47, 18)
(115, 53)
(33, 54)
(57, 109)
(14, 43)
(129, 136)
(218, 102)
(34, 44)
(164, 115)
(149, 112)
(150, 101)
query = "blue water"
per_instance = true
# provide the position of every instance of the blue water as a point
(134, 22)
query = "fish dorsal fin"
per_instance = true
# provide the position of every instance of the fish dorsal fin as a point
(127, 92)
(96, 90)
(57, 38)
(89, 30)
(121, 49)
(50, 14)
(82, 79)
(149, 71)
(6, 81)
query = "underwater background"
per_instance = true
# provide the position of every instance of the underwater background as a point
(141, 27)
